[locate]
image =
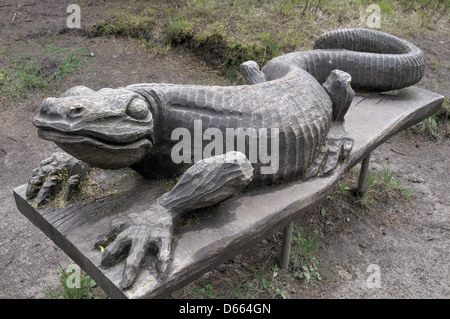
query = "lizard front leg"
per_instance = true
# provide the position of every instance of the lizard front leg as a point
(206, 183)
(60, 170)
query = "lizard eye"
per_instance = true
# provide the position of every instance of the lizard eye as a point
(137, 109)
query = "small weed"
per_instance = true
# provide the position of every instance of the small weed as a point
(309, 273)
(428, 127)
(380, 186)
(52, 48)
(205, 290)
(434, 64)
(277, 286)
(147, 44)
(343, 188)
(305, 243)
(304, 250)
(265, 281)
(3, 75)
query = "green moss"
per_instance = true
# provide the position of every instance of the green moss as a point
(168, 183)
(56, 196)
(105, 195)
(108, 239)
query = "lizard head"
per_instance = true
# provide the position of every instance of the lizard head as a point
(109, 128)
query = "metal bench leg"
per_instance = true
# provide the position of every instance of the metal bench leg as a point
(363, 176)
(286, 246)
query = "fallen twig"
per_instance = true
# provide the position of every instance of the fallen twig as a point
(397, 152)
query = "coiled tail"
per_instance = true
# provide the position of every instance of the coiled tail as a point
(376, 61)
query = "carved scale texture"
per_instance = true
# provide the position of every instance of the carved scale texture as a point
(295, 104)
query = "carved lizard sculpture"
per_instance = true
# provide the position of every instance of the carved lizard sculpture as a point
(302, 96)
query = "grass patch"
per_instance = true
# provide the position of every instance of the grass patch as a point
(303, 266)
(430, 11)
(178, 31)
(436, 126)
(71, 62)
(26, 74)
(227, 55)
(382, 186)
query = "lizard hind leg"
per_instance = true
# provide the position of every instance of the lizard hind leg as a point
(338, 145)
(336, 148)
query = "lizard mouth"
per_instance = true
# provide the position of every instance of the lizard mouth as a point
(99, 153)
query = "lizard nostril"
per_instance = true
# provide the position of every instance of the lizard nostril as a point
(76, 110)
(46, 105)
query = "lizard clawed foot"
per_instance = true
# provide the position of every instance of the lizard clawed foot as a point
(134, 237)
(336, 148)
(60, 170)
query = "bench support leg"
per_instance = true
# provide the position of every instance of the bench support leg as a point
(286, 246)
(363, 176)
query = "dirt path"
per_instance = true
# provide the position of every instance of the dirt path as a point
(407, 240)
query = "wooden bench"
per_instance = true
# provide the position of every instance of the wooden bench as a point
(229, 228)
